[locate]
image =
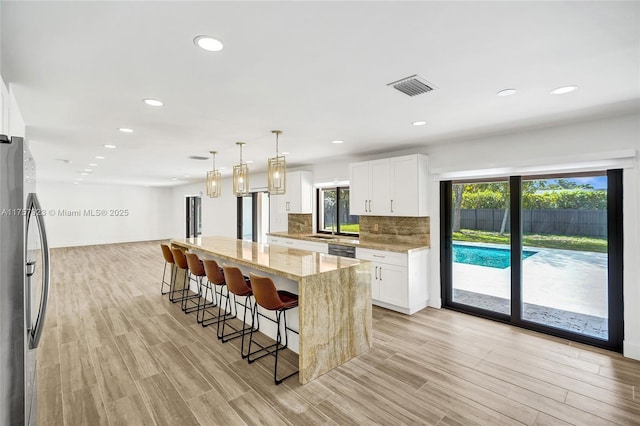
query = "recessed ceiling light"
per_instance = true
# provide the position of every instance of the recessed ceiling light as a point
(64, 160)
(84, 174)
(125, 130)
(110, 146)
(174, 178)
(99, 157)
(337, 141)
(506, 92)
(419, 123)
(78, 179)
(153, 102)
(93, 164)
(564, 89)
(88, 170)
(187, 176)
(76, 183)
(208, 43)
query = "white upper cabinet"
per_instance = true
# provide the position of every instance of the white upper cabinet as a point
(389, 187)
(299, 195)
(359, 188)
(297, 199)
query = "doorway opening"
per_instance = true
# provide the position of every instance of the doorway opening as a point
(193, 215)
(253, 217)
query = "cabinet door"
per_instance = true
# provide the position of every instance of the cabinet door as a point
(393, 285)
(404, 182)
(293, 193)
(278, 219)
(380, 188)
(359, 188)
(375, 281)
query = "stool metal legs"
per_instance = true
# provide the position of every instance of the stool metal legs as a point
(280, 314)
(165, 282)
(235, 332)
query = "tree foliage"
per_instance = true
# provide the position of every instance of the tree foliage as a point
(539, 194)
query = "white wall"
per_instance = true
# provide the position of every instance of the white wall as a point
(149, 214)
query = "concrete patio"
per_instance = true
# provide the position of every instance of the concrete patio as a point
(561, 288)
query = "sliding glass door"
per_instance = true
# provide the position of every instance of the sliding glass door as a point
(541, 252)
(481, 246)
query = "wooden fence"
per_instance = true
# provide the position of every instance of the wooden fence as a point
(588, 223)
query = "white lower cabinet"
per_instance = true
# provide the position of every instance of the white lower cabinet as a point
(398, 280)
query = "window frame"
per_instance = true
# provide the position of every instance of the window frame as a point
(319, 203)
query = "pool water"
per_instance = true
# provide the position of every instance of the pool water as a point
(491, 257)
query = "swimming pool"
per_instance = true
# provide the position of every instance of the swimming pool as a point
(491, 257)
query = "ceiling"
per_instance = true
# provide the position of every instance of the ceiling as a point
(316, 70)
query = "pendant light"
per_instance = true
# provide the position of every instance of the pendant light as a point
(240, 176)
(277, 171)
(214, 180)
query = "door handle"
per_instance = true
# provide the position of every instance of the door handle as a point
(381, 273)
(365, 206)
(35, 333)
(391, 206)
(376, 272)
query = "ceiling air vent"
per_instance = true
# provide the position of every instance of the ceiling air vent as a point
(197, 157)
(413, 85)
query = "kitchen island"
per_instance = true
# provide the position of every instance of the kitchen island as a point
(334, 312)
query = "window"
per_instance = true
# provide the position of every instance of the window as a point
(333, 212)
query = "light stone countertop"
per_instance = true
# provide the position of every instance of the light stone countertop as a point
(290, 263)
(345, 240)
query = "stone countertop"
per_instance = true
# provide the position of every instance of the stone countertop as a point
(290, 263)
(345, 240)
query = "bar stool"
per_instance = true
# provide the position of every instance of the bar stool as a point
(168, 259)
(180, 262)
(239, 286)
(196, 273)
(280, 301)
(217, 279)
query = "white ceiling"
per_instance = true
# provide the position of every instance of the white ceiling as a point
(318, 71)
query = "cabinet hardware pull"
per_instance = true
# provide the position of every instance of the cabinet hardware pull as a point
(391, 206)
(380, 256)
(365, 206)
(376, 272)
(381, 273)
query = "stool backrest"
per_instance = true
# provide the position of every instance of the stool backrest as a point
(235, 280)
(264, 290)
(179, 258)
(195, 265)
(213, 272)
(166, 253)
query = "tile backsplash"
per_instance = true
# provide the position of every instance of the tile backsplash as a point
(393, 229)
(300, 223)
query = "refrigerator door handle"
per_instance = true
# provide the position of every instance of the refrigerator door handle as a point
(33, 209)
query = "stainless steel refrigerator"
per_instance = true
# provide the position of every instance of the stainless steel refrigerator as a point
(24, 282)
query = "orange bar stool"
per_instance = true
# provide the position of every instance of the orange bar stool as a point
(168, 259)
(239, 286)
(216, 279)
(196, 274)
(180, 261)
(279, 301)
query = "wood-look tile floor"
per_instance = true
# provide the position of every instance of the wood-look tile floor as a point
(116, 352)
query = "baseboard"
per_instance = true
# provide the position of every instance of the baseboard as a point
(631, 350)
(408, 311)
